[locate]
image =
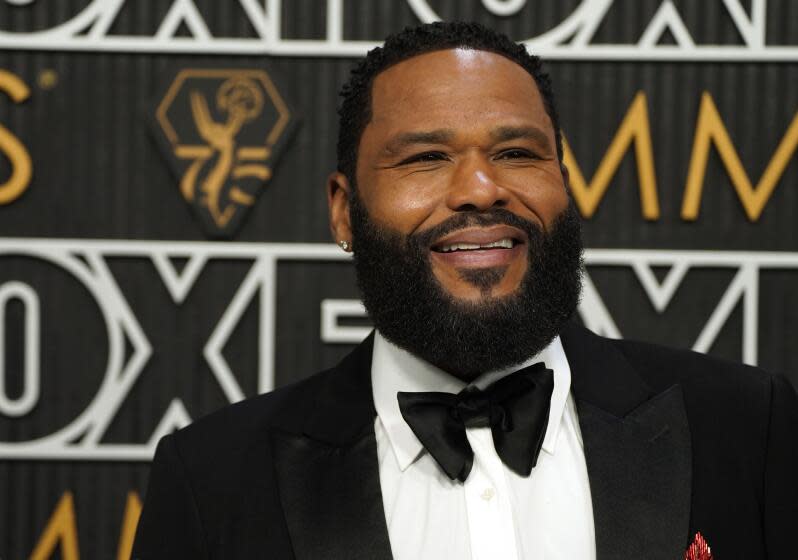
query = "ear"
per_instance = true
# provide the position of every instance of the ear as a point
(338, 192)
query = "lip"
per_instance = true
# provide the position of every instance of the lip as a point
(481, 258)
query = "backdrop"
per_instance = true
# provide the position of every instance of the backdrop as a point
(165, 247)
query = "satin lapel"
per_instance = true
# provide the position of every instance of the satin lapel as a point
(328, 475)
(638, 453)
(639, 469)
(331, 498)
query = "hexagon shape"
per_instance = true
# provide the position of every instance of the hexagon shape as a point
(222, 131)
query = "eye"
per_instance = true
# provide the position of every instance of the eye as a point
(425, 157)
(515, 153)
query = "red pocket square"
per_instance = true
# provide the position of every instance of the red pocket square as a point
(699, 550)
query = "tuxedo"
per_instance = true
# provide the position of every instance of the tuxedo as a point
(675, 443)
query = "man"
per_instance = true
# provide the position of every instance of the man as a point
(477, 421)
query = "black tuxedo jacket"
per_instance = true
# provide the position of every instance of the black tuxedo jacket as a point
(675, 443)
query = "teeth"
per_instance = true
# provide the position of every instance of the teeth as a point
(505, 243)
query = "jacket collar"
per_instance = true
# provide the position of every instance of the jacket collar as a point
(344, 404)
(600, 374)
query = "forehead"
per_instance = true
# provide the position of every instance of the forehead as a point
(456, 87)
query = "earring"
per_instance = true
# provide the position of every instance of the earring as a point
(345, 245)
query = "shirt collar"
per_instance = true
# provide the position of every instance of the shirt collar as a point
(394, 369)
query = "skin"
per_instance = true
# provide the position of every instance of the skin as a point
(452, 131)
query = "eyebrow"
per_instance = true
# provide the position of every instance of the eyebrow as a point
(406, 139)
(444, 135)
(507, 133)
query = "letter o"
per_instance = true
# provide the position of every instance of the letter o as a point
(32, 372)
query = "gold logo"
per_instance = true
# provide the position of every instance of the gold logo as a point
(223, 131)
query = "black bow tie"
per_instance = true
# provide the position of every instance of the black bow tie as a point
(516, 408)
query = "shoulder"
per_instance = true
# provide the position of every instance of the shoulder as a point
(720, 396)
(652, 369)
(728, 403)
(238, 437)
(662, 366)
(239, 433)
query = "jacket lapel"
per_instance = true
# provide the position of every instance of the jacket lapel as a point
(637, 449)
(328, 475)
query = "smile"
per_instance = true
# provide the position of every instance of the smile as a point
(506, 243)
(480, 247)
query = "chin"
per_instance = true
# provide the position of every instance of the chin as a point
(475, 284)
(471, 295)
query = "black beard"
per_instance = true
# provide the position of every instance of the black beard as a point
(411, 309)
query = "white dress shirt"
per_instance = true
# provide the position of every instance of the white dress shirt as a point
(496, 514)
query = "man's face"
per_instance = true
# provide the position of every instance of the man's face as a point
(466, 249)
(461, 130)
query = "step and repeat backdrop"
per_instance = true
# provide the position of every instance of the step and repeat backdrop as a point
(164, 247)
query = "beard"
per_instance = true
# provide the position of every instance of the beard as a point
(410, 307)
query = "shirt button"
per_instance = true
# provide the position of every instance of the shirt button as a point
(488, 494)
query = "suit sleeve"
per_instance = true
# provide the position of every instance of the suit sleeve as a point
(170, 526)
(781, 474)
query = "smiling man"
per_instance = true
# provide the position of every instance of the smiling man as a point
(477, 421)
(466, 248)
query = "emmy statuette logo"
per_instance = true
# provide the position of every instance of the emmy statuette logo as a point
(223, 131)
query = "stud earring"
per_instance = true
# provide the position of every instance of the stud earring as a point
(345, 245)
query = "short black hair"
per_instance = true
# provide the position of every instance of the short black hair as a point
(355, 110)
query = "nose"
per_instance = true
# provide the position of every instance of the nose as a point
(474, 186)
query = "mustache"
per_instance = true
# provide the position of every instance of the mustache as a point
(462, 220)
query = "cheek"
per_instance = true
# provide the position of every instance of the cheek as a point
(543, 193)
(405, 203)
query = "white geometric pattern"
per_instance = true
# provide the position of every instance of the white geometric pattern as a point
(571, 39)
(85, 261)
